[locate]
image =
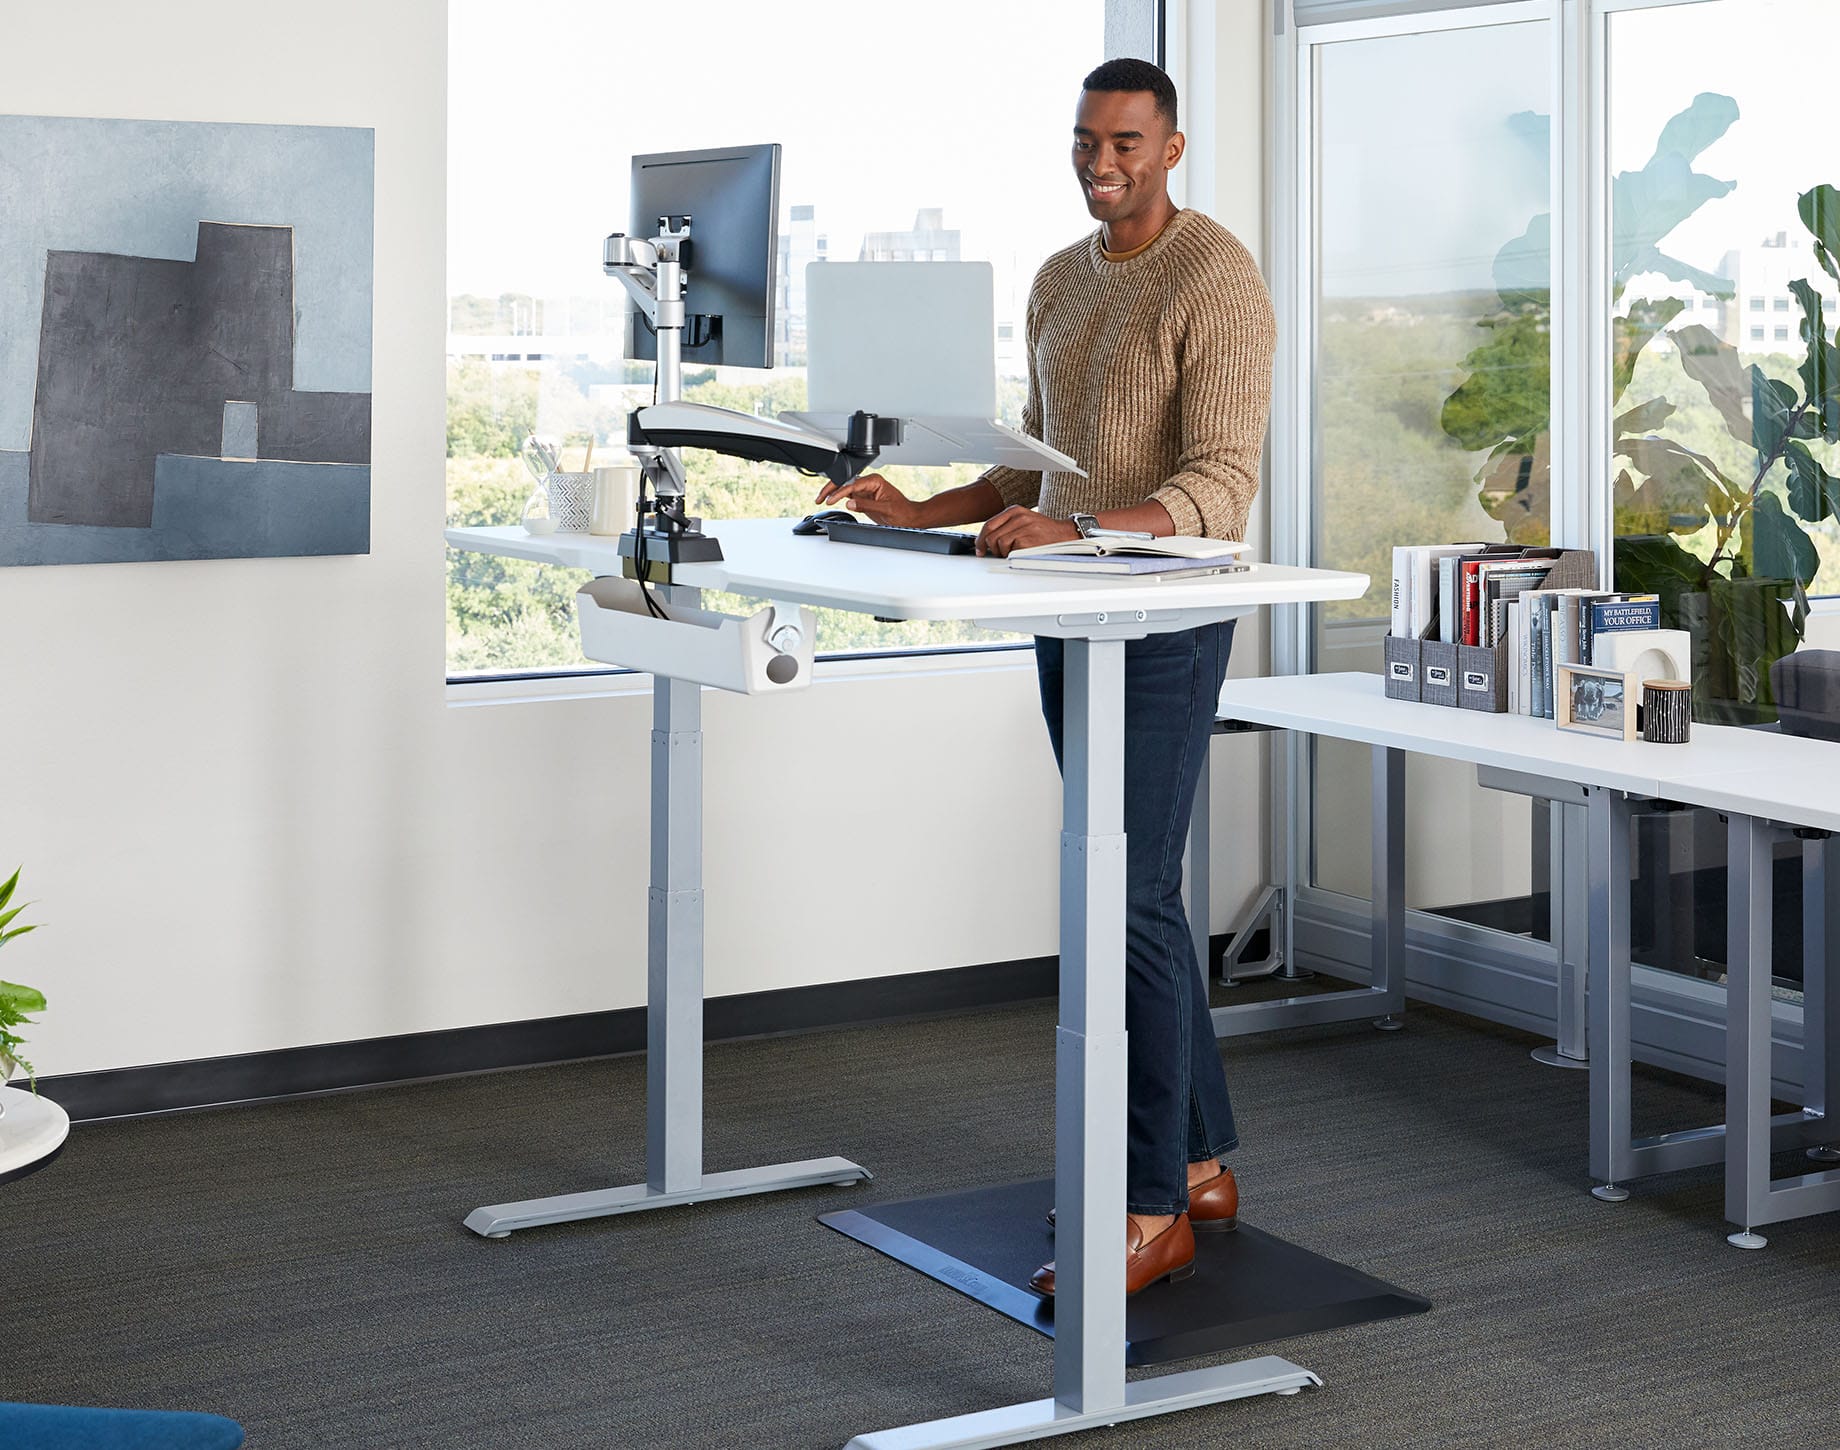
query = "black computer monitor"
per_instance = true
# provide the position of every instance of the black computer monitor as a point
(731, 194)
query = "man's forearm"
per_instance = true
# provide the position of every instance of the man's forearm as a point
(970, 504)
(1149, 517)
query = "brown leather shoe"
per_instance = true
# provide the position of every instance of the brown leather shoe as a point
(1170, 1255)
(1213, 1204)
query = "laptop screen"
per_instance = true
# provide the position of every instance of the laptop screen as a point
(911, 339)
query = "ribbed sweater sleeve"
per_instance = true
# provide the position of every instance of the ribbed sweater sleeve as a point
(1155, 373)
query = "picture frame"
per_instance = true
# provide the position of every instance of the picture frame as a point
(1594, 701)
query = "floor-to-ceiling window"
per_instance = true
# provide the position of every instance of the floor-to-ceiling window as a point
(1430, 406)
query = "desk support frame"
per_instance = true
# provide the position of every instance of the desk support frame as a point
(1089, 1134)
(674, 1004)
(1752, 1197)
(1385, 993)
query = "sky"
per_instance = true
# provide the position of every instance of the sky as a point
(1425, 174)
(880, 109)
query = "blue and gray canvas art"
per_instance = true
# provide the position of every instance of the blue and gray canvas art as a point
(185, 340)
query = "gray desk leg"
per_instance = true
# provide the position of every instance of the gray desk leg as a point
(1611, 1140)
(1821, 1004)
(1570, 932)
(1750, 912)
(1089, 1118)
(674, 1010)
(1389, 904)
(1751, 1196)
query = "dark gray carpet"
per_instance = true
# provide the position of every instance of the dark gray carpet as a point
(302, 1267)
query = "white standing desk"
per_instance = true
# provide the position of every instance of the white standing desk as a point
(1764, 783)
(1096, 618)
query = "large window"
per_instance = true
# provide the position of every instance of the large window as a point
(1431, 401)
(909, 133)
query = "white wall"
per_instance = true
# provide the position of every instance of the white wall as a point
(252, 814)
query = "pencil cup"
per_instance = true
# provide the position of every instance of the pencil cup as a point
(616, 496)
(1667, 712)
(571, 496)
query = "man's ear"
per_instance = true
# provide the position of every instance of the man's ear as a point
(1172, 150)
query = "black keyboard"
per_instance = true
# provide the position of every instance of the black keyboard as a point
(887, 536)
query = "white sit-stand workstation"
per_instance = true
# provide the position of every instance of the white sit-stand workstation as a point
(1766, 784)
(642, 610)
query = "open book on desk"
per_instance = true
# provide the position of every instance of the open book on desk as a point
(1178, 554)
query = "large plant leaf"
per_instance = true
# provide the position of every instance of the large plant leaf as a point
(1780, 549)
(6, 891)
(1814, 493)
(22, 999)
(1508, 394)
(1820, 210)
(1630, 334)
(1713, 363)
(1772, 409)
(7, 936)
(1655, 564)
(1648, 204)
(1682, 488)
(1644, 417)
(1820, 370)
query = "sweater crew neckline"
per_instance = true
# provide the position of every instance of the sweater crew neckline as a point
(1107, 266)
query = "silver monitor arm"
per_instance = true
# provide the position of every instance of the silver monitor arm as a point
(652, 269)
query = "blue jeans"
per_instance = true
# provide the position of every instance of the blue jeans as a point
(1178, 1111)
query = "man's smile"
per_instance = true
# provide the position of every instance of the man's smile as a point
(1104, 188)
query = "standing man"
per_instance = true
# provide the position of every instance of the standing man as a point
(1150, 350)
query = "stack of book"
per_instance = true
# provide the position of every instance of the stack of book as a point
(1547, 628)
(1455, 609)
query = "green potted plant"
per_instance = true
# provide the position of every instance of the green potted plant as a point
(15, 1000)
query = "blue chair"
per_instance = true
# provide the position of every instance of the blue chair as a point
(72, 1427)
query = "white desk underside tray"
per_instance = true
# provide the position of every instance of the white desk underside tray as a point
(933, 441)
(723, 651)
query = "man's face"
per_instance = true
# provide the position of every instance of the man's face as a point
(1122, 152)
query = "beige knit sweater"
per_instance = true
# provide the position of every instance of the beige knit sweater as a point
(1154, 373)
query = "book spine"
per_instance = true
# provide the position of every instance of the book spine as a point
(1472, 595)
(1447, 599)
(1552, 657)
(1617, 615)
(1397, 625)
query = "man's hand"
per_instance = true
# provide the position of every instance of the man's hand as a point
(875, 498)
(1020, 528)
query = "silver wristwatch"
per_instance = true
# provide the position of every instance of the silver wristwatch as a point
(1089, 528)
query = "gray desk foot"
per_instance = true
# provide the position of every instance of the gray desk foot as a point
(496, 1220)
(1554, 1056)
(1388, 1023)
(1040, 1419)
(1824, 1154)
(1746, 1240)
(1610, 1193)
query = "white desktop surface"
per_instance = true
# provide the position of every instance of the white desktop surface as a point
(32, 1128)
(1745, 772)
(764, 559)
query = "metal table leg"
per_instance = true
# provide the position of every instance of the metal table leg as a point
(1386, 989)
(1821, 1004)
(674, 1009)
(1089, 1117)
(1607, 814)
(1751, 1196)
(1570, 931)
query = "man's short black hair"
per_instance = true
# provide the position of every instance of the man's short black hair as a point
(1136, 75)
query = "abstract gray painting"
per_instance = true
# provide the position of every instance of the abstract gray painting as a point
(185, 340)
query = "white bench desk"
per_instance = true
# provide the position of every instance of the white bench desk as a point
(1764, 783)
(765, 560)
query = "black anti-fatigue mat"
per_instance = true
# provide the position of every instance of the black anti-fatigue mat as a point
(1249, 1287)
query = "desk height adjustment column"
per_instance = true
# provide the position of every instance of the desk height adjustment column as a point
(674, 1003)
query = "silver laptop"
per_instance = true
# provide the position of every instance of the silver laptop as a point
(912, 340)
